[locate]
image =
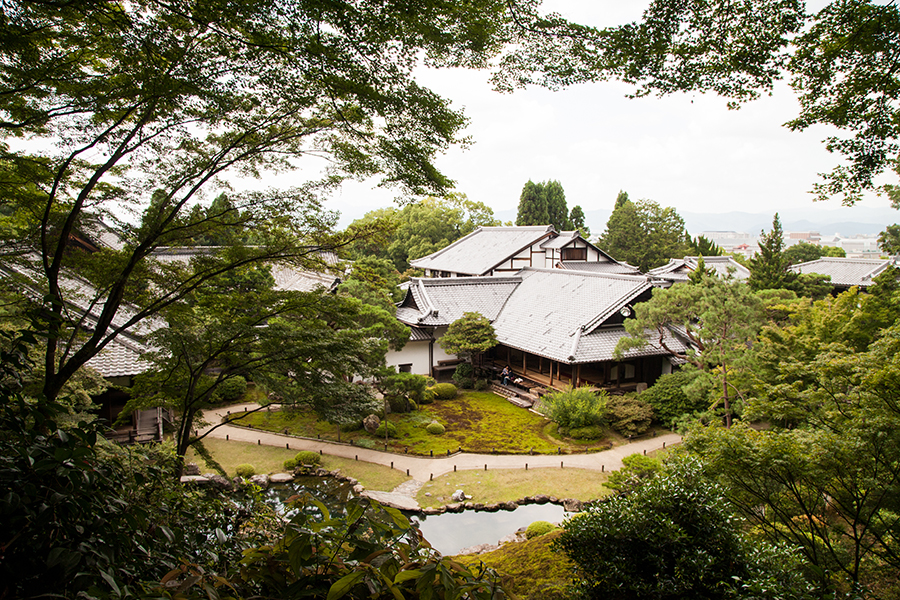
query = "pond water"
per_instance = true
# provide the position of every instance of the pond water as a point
(451, 532)
(447, 533)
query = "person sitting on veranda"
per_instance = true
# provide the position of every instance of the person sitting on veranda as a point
(504, 375)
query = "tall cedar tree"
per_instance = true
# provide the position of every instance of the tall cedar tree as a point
(533, 208)
(769, 266)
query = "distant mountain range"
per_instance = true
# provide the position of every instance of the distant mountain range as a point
(858, 220)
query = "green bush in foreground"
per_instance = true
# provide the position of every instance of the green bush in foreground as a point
(435, 428)
(245, 470)
(539, 528)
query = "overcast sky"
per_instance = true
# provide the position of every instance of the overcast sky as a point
(685, 151)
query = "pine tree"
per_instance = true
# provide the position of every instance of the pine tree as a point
(576, 222)
(769, 266)
(557, 210)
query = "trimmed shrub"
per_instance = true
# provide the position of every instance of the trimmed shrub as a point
(427, 396)
(576, 407)
(245, 470)
(401, 404)
(481, 385)
(290, 464)
(445, 391)
(435, 428)
(589, 432)
(308, 457)
(539, 528)
(636, 470)
(668, 399)
(629, 415)
(351, 426)
(232, 389)
(391, 430)
(464, 374)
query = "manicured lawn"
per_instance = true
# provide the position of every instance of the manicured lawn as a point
(269, 459)
(479, 422)
(502, 485)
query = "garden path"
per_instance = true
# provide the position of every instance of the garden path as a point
(422, 468)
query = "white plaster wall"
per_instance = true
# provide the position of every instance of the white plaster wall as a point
(415, 353)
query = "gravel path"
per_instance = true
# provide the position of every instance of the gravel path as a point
(422, 469)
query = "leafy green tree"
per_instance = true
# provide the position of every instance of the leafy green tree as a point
(889, 239)
(636, 470)
(304, 347)
(576, 221)
(719, 318)
(675, 536)
(839, 60)
(533, 209)
(668, 398)
(140, 111)
(629, 415)
(469, 335)
(643, 233)
(805, 252)
(407, 389)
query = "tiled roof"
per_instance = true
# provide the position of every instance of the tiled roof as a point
(120, 358)
(612, 267)
(420, 334)
(442, 301)
(553, 312)
(845, 271)
(677, 269)
(482, 250)
(601, 344)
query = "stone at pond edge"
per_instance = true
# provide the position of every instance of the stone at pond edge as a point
(261, 480)
(281, 478)
(191, 469)
(454, 507)
(572, 505)
(541, 498)
(510, 505)
(218, 481)
(458, 496)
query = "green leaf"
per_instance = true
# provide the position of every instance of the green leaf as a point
(343, 585)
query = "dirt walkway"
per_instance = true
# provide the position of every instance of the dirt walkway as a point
(422, 469)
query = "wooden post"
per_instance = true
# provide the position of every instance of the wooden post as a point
(524, 363)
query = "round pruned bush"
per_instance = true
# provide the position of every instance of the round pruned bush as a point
(401, 404)
(290, 464)
(445, 391)
(539, 528)
(427, 396)
(391, 430)
(629, 415)
(308, 457)
(232, 389)
(464, 375)
(435, 428)
(575, 407)
(245, 470)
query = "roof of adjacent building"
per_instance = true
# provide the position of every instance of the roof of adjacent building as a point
(678, 269)
(611, 267)
(567, 316)
(120, 358)
(483, 249)
(846, 271)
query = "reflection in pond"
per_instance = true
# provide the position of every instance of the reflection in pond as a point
(447, 533)
(451, 532)
(327, 490)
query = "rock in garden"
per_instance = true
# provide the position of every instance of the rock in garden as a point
(541, 498)
(191, 469)
(509, 505)
(572, 505)
(371, 423)
(281, 478)
(262, 480)
(458, 496)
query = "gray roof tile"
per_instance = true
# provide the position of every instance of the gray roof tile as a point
(442, 301)
(845, 271)
(482, 250)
